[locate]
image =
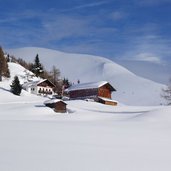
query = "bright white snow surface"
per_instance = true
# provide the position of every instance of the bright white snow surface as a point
(90, 137)
(131, 89)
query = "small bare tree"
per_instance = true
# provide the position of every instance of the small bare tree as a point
(4, 71)
(55, 74)
(166, 93)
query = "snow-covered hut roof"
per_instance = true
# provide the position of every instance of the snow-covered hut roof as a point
(30, 84)
(90, 85)
(107, 99)
(35, 83)
(51, 101)
(46, 81)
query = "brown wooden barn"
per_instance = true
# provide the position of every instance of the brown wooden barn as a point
(58, 105)
(94, 91)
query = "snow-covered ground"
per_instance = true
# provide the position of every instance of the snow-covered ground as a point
(131, 89)
(90, 137)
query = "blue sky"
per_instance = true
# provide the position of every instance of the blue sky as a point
(117, 29)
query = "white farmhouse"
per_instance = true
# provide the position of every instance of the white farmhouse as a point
(43, 87)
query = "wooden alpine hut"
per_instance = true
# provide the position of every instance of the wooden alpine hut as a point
(98, 91)
(58, 105)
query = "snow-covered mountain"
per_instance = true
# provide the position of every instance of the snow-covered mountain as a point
(131, 89)
(34, 137)
(158, 72)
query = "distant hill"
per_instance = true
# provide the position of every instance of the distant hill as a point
(158, 72)
(131, 89)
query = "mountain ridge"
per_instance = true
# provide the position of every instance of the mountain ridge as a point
(131, 89)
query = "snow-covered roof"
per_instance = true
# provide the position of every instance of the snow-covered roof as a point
(46, 80)
(30, 84)
(88, 86)
(51, 101)
(34, 83)
(106, 99)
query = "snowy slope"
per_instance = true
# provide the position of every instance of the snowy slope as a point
(7, 96)
(93, 136)
(131, 89)
(158, 72)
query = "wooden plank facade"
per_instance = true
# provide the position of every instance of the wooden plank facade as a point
(82, 94)
(58, 105)
(107, 101)
(45, 87)
(46, 83)
(104, 91)
(93, 91)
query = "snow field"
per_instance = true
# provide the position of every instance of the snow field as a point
(36, 138)
(91, 137)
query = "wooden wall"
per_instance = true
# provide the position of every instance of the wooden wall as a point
(104, 91)
(60, 107)
(112, 103)
(83, 93)
(44, 84)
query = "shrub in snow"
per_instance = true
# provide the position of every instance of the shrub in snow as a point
(16, 86)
